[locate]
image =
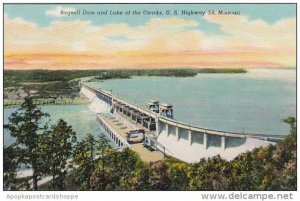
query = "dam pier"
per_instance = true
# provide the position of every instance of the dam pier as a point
(162, 134)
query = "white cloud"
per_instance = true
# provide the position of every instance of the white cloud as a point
(56, 12)
(78, 46)
(247, 43)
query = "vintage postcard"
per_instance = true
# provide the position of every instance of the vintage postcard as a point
(150, 97)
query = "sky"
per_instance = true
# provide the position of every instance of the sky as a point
(37, 36)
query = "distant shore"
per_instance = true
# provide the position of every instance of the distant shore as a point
(19, 77)
(61, 87)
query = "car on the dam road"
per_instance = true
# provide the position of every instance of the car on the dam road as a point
(135, 136)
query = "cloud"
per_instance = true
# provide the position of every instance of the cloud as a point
(168, 42)
(56, 12)
(277, 40)
(257, 33)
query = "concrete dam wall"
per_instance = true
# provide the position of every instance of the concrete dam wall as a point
(174, 138)
(192, 146)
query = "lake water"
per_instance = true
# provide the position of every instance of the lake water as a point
(254, 102)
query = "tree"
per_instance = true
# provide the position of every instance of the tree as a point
(290, 143)
(246, 171)
(142, 179)
(24, 125)
(285, 160)
(160, 179)
(10, 165)
(178, 173)
(123, 166)
(83, 157)
(120, 167)
(102, 148)
(289, 181)
(292, 122)
(57, 147)
(87, 154)
(100, 179)
(210, 174)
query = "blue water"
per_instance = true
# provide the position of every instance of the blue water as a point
(82, 119)
(255, 102)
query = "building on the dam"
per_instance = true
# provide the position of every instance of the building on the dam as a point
(165, 134)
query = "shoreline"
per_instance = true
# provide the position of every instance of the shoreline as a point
(11, 103)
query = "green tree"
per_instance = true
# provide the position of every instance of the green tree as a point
(178, 173)
(245, 172)
(57, 147)
(118, 172)
(100, 179)
(10, 165)
(285, 160)
(25, 126)
(84, 158)
(142, 179)
(102, 148)
(87, 154)
(292, 122)
(210, 174)
(160, 179)
(125, 163)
